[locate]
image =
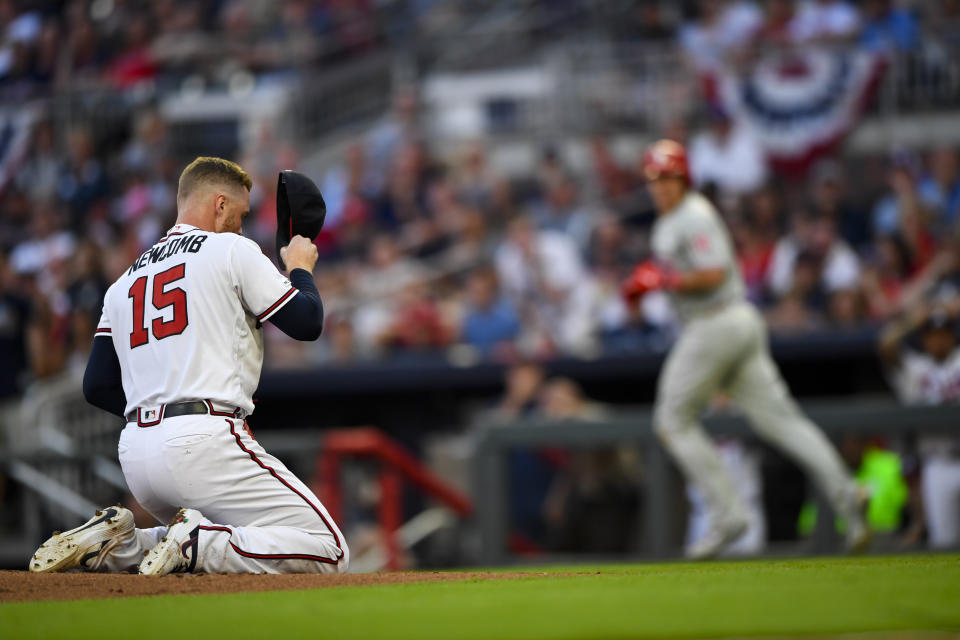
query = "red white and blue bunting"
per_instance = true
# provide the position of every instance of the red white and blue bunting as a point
(801, 104)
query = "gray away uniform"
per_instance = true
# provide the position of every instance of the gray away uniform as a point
(723, 347)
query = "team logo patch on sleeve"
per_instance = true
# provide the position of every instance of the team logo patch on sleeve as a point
(701, 242)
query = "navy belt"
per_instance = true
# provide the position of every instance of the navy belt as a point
(152, 417)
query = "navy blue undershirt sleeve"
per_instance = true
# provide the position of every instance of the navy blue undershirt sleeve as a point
(102, 383)
(302, 317)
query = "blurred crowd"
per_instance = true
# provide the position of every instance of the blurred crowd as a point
(58, 44)
(430, 254)
(427, 254)
(446, 253)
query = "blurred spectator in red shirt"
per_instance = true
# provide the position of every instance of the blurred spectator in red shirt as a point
(755, 237)
(775, 28)
(902, 212)
(417, 323)
(885, 276)
(616, 183)
(134, 63)
(387, 273)
(727, 155)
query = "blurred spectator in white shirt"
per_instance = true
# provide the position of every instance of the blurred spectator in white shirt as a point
(720, 28)
(543, 273)
(476, 183)
(378, 286)
(398, 128)
(150, 142)
(800, 309)
(727, 155)
(39, 175)
(840, 267)
(536, 264)
(47, 243)
(560, 209)
(825, 20)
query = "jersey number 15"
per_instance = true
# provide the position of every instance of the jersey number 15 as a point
(161, 299)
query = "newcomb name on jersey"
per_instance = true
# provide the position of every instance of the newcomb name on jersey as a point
(166, 316)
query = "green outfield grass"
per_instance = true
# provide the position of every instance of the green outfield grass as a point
(766, 597)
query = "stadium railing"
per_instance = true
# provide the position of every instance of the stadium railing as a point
(396, 466)
(597, 86)
(62, 452)
(662, 533)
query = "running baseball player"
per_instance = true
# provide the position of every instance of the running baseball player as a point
(722, 347)
(178, 352)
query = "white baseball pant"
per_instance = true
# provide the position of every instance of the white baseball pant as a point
(727, 350)
(940, 484)
(258, 516)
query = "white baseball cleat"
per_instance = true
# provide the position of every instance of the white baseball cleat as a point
(87, 545)
(859, 535)
(177, 550)
(721, 535)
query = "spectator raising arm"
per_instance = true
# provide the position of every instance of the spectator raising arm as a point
(891, 340)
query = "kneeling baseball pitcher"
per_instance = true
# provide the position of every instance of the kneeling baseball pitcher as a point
(178, 353)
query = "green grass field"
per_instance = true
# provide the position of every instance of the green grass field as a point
(766, 597)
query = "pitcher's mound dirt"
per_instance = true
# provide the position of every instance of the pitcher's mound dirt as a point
(23, 585)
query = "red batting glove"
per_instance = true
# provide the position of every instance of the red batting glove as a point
(648, 276)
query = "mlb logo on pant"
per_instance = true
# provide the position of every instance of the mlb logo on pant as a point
(149, 415)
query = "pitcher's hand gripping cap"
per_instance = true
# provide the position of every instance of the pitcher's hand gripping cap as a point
(300, 209)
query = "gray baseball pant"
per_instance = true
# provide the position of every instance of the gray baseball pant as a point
(727, 350)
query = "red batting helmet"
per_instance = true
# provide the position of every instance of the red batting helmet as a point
(665, 159)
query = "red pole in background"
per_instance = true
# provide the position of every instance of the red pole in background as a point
(328, 487)
(391, 513)
(396, 467)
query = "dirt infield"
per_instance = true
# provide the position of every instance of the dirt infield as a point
(20, 586)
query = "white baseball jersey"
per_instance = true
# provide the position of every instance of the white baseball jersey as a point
(185, 319)
(693, 237)
(922, 380)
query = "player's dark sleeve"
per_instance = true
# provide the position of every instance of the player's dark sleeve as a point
(102, 383)
(302, 317)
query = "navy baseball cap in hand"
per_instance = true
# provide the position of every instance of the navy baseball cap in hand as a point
(300, 209)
